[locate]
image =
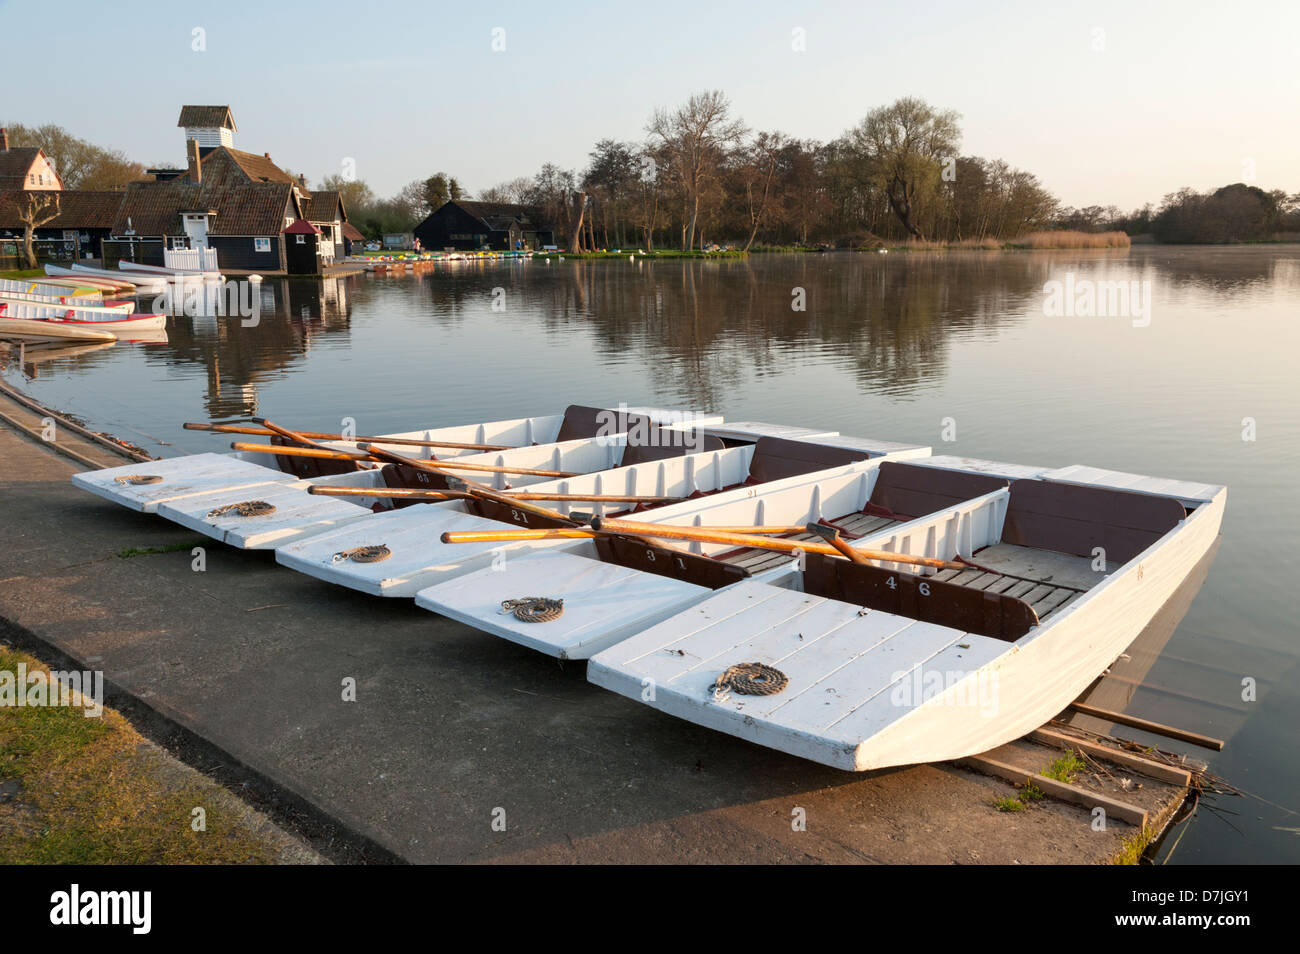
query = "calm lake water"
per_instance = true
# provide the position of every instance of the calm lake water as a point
(916, 348)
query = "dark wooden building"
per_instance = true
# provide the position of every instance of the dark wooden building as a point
(77, 233)
(302, 248)
(501, 226)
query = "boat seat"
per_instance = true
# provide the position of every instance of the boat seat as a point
(776, 458)
(585, 422)
(665, 444)
(908, 491)
(901, 492)
(925, 599)
(1073, 519)
(304, 468)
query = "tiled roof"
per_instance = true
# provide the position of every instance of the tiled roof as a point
(499, 216)
(77, 210)
(14, 166)
(212, 117)
(350, 231)
(227, 165)
(243, 208)
(323, 207)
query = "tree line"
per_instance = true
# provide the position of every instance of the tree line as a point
(700, 177)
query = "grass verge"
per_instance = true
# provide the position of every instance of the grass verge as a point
(78, 790)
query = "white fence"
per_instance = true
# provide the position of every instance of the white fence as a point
(195, 259)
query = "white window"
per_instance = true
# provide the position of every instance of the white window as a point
(261, 245)
(178, 242)
(302, 239)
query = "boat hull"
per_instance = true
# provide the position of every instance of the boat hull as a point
(871, 690)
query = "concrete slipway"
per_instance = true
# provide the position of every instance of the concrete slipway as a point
(240, 670)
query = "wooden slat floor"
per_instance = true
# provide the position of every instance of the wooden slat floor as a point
(756, 560)
(1055, 580)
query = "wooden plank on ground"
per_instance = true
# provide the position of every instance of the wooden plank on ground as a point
(1156, 770)
(1061, 790)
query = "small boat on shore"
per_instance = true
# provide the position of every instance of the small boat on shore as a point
(65, 301)
(104, 319)
(180, 477)
(417, 557)
(159, 271)
(52, 288)
(24, 329)
(104, 279)
(870, 665)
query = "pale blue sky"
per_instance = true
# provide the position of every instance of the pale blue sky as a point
(1180, 94)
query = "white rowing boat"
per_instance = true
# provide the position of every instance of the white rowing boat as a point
(294, 512)
(103, 278)
(159, 271)
(65, 301)
(23, 329)
(102, 319)
(599, 579)
(51, 289)
(879, 665)
(417, 558)
(186, 476)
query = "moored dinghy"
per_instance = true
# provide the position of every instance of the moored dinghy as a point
(144, 487)
(877, 665)
(296, 512)
(411, 536)
(603, 580)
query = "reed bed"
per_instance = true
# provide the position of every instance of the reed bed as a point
(1067, 238)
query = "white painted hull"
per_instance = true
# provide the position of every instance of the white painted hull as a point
(870, 690)
(102, 319)
(158, 271)
(210, 473)
(22, 329)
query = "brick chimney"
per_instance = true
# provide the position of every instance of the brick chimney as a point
(4, 140)
(192, 161)
(267, 155)
(302, 179)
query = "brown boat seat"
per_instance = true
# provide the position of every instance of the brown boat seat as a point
(908, 491)
(665, 561)
(584, 422)
(305, 468)
(776, 458)
(1071, 519)
(664, 444)
(920, 598)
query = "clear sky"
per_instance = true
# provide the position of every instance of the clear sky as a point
(1107, 102)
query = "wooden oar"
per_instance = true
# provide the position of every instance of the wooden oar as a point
(832, 536)
(473, 486)
(328, 491)
(489, 536)
(323, 436)
(371, 453)
(709, 535)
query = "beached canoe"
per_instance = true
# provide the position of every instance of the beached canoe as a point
(52, 288)
(299, 512)
(104, 279)
(185, 476)
(879, 665)
(417, 557)
(65, 301)
(159, 271)
(103, 319)
(24, 329)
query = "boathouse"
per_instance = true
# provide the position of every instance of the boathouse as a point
(460, 225)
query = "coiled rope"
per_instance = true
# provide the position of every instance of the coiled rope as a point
(534, 609)
(750, 679)
(371, 554)
(245, 508)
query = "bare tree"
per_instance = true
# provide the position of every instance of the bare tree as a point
(757, 170)
(34, 209)
(695, 138)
